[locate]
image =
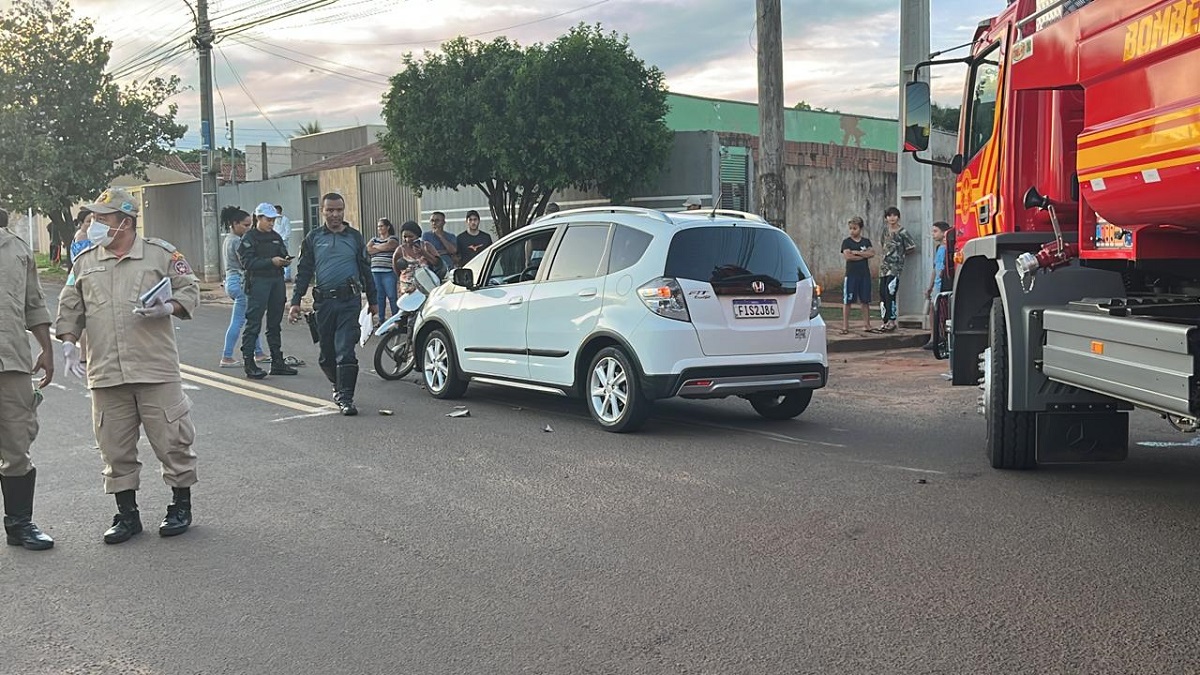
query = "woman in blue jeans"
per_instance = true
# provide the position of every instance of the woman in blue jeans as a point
(237, 221)
(380, 250)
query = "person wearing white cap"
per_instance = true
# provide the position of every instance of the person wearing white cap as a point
(264, 255)
(692, 204)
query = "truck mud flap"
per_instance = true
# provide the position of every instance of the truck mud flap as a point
(1068, 438)
(1151, 363)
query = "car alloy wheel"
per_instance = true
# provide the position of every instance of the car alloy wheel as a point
(609, 390)
(437, 364)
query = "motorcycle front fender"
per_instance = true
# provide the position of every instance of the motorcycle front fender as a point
(393, 322)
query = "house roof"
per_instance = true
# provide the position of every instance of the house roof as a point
(193, 169)
(366, 155)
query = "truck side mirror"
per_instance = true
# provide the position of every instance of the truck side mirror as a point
(1035, 200)
(917, 116)
(463, 277)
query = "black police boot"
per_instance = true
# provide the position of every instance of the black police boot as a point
(127, 522)
(253, 371)
(280, 367)
(18, 513)
(347, 379)
(179, 513)
(331, 375)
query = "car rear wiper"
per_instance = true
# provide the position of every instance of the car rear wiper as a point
(744, 278)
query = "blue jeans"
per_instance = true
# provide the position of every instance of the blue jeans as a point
(233, 288)
(385, 290)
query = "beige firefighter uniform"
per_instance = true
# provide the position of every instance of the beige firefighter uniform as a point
(22, 306)
(132, 361)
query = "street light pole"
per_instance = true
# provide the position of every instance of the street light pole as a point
(210, 230)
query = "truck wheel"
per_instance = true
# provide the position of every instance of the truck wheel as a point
(783, 406)
(1011, 439)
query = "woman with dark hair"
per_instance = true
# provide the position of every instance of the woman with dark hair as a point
(380, 249)
(237, 222)
(414, 251)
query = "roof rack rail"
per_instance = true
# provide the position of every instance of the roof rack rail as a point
(612, 209)
(744, 215)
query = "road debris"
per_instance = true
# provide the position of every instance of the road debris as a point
(462, 412)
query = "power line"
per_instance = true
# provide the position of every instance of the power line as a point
(311, 56)
(486, 32)
(248, 94)
(349, 78)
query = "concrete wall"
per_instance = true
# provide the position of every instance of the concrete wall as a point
(279, 159)
(691, 169)
(172, 212)
(317, 147)
(285, 192)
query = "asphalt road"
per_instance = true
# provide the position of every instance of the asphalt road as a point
(868, 536)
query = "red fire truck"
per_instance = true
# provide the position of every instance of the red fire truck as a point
(1076, 239)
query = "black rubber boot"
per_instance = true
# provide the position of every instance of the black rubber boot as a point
(18, 513)
(331, 375)
(279, 366)
(253, 371)
(127, 522)
(179, 513)
(347, 379)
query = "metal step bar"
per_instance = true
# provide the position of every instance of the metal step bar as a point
(1151, 362)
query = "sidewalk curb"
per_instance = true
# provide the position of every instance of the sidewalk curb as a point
(880, 343)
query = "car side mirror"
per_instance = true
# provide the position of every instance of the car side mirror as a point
(463, 277)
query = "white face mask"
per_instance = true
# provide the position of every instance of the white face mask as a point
(98, 233)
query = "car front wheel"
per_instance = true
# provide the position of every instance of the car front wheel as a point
(613, 395)
(781, 406)
(442, 377)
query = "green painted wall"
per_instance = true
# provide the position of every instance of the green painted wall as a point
(692, 113)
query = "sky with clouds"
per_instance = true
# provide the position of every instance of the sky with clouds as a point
(331, 64)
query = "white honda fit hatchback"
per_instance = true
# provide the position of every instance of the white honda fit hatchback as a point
(622, 306)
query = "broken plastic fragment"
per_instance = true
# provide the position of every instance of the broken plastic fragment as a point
(548, 429)
(459, 413)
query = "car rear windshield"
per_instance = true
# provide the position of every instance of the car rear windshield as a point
(733, 258)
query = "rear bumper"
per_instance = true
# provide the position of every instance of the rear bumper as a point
(722, 381)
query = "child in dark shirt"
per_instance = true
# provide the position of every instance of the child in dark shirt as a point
(856, 249)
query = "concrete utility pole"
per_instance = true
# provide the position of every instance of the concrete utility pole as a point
(772, 188)
(232, 156)
(914, 180)
(210, 228)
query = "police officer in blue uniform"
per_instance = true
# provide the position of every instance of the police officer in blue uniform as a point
(333, 259)
(264, 257)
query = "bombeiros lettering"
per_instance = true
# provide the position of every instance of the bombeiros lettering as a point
(1175, 22)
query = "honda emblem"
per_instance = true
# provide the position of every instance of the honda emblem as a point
(759, 287)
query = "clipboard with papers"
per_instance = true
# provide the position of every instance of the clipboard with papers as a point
(160, 293)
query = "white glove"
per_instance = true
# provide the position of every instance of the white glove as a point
(156, 311)
(74, 360)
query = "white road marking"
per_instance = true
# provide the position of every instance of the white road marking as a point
(244, 384)
(320, 413)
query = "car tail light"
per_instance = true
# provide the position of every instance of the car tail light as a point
(815, 309)
(664, 297)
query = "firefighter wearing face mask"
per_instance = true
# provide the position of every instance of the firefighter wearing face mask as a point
(132, 361)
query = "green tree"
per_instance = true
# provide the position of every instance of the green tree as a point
(945, 119)
(519, 123)
(805, 105)
(77, 128)
(308, 128)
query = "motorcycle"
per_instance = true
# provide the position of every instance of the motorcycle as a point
(394, 357)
